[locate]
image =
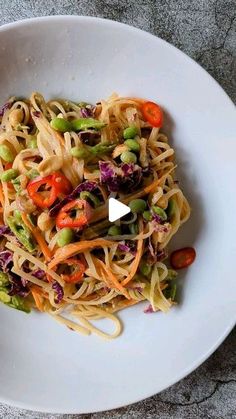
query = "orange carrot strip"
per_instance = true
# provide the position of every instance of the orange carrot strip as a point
(2, 199)
(137, 259)
(38, 237)
(38, 300)
(74, 248)
(115, 283)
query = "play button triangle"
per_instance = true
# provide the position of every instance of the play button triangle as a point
(116, 209)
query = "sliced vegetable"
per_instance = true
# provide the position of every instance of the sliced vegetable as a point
(53, 185)
(147, 215)
(6, 153)
(130, 132)
(160, 212)
(65, 236)
(152, 113)
(88, 196)
(4, 279)
(22, 233)
(78, 269)
(75, 214)
(86, 123)
(82, 152)
(60, 124)
(19, 303)
(138, 206)
(170, 211)
(128, 157)
(132, 145)
(133, 228)
(182, 258)
(114, 231)
(144, 268)
(8, 175)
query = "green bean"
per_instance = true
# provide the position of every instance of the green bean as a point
(133, 228)
(32, 143)
(128, 157)
(60, 124)
(22, 233)
(65, 236)
(133, 145)
(114, 231)
(90, 196)
(144, 268)
(130, 132)
(86, 123)
(147, 215)
(159, 211)
(8, 175)
(80, 152)
(6, 153)
(170, 291)
(137, 206)
(102, 148)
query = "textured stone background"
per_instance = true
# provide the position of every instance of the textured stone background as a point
(205, 30)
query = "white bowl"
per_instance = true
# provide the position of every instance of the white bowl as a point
(45, 366)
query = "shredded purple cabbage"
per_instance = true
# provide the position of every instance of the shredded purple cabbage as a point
(88, 111)
(37, 114)
(40, 274)
(148, 309)
(6, 106)
(127, 246)
(18, 286)
(5, 230)
(59, 291)
(126, 176)
(85, 186)
(6, 258)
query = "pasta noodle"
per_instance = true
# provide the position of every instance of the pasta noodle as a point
(59, 163)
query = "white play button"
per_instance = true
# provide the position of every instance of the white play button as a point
(116, 209)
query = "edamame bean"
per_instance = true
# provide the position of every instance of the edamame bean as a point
(132, 144)
(32, 143)
(60, 124)
(114, 231)
(128, 157)
(80, 152)
(147, 215)
(65, 236)
(133, 228)
(8, 175)
(144, 268)
(159, 211)
(130, 132)
(6, 153)
(137, 206)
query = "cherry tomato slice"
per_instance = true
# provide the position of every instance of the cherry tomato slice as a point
(182, 258)
(153, 114)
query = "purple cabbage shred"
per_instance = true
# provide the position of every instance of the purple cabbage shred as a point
(123, 177)
(4, 108)
(6, 258)
(59, 291)
(148, 309)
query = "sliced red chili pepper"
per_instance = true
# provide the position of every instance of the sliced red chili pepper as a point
(45, 198)
(61, 183)
(78, 270)
(53, 186)
(153, 114)
(182, 258)
(75, 214)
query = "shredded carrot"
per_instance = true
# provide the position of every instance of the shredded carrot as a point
(115, 283)
(2, 200)
(137, 258)
(38, 237)
(38, 300)
(78, 247)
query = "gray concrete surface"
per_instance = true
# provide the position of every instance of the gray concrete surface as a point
(205, 30)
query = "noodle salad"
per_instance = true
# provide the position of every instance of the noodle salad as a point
(60, 162)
